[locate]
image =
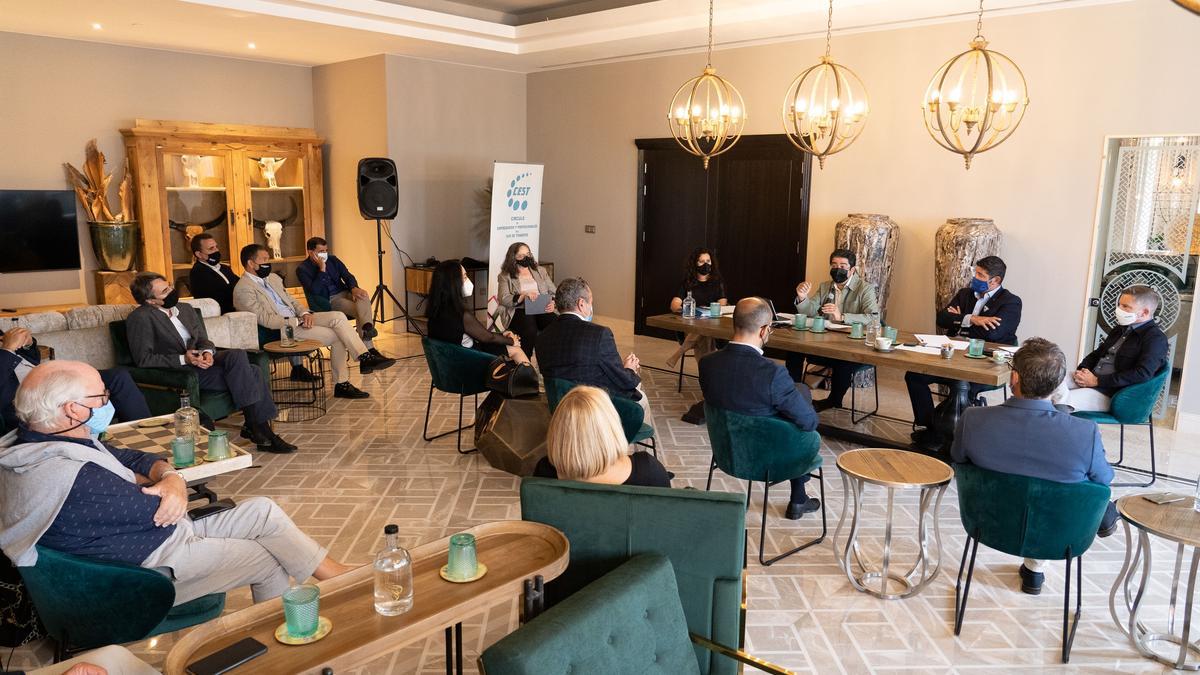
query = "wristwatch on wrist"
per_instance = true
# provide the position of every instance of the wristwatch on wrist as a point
(177, 473)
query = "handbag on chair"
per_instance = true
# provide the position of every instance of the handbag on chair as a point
(511, 379)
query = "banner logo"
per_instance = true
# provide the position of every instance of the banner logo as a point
(518, 194)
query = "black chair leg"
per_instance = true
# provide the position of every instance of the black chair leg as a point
(458, 443)
(712, 466)
(960, 600)
(1069, 635)
(854, 405)
(425, 430)
(679, 386)
(1153, 460)
(762, 534)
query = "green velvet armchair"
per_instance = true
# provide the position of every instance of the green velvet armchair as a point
(86, 604)
(454, 369)
(627, 622)
(1132, 406)
(702, 533)
(632, 414)
(162, 387)
(1029, 518)
(766, 449)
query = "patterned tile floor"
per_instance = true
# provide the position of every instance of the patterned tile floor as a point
(364, 465)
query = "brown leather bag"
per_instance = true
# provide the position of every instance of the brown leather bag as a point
(510, 379)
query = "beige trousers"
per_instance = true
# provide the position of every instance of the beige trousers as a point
(116, 659)
(345, 303)
(332, 329)
(1080, 398)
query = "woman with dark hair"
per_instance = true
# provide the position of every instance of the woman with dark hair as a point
(450, 320)
(521, 280)
(702, 279)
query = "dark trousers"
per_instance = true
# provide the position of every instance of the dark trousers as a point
(528, 327)
(232, 372)
(922, 399)
(125, 395)
(839, 380)
(1110, 516)
(798, 492)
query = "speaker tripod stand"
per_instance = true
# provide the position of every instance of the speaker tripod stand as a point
(379, 299)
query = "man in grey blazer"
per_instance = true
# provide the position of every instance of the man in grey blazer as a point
(166, 333)
(1027, 436)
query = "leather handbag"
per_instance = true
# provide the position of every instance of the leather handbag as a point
(511, 379)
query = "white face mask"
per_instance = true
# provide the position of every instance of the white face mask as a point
(1124, 318)
(468, 288)
(323, 256)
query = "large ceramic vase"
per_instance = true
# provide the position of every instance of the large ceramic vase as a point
(873, 238)
(957, 246)
(115, 244)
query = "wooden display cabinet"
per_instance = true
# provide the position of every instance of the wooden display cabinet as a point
(197, 177)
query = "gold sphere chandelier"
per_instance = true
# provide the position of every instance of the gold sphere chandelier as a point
(975, 100)
(825, 108)
(707, 114)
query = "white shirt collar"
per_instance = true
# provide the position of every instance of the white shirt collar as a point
(747, 344)
(577, 314)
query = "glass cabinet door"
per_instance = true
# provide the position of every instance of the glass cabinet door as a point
(197, 201)
(279, 210)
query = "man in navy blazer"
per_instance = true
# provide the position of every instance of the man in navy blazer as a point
(1028, 436)
(740, 379)
(573, 348)
(985, 310)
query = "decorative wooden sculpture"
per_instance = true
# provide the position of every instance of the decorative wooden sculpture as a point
(957, 245)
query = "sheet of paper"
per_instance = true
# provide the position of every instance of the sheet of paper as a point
(726, 310)
(784, 316)
(1008, 348)
(934, 351)
(939, 340)
(837, 326)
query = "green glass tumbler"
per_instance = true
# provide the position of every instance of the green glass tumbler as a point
(856, 330)
(891, 333)
(300, 610)
(218, 445)
(183, 451)
(462, 563)
(800, 321)
(818, 324)
(975, 347)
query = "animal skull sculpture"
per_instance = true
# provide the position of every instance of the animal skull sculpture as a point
(191, 169)
(274, 231)
(269, 165)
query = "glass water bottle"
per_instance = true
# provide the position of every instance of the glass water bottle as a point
(393, 577)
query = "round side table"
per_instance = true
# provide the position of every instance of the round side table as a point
(1179, 523)
(298, 400)
(894, 470)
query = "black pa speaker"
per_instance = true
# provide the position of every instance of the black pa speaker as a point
(378, 194)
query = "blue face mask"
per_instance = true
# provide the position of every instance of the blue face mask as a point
(979, 286)
(100, 418)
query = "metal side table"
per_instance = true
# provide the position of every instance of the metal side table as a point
(1177, 522)
(298, 400)
(894, 470)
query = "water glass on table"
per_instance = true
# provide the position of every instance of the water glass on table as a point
(462, 563)
(975, 347)
(818, 324)
(714, 310)
(183, 451)
(301, 605)
(800, 321)
(218, 445)
(891, 333)
(856, 330)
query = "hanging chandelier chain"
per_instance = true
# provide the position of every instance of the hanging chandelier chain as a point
(829, 29)
(710, 32)
(978, 22)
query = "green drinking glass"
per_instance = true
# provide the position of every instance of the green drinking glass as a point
(183, 451)
(300, 610)
(975, 347)
(462, 563)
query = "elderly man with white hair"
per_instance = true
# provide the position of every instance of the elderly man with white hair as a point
(63, 489)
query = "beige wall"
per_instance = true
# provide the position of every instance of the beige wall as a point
(1101, 70)
(57, 94)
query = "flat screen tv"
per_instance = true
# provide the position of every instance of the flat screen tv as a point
(38, 231)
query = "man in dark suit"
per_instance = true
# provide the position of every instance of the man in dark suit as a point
(740, 379)
(19, 354)
(1133, 353)
(1027, 436)
(573, 348)
(166, 333)
(210, 278)
(984, 310)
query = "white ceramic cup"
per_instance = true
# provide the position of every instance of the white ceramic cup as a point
(884, 343)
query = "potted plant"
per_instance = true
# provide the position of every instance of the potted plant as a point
(114, 237)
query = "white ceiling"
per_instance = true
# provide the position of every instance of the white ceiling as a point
(488, 33)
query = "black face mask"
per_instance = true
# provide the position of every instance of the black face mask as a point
(213, 258)
(527, 262)
(264, 270)
(171, 300)
(704, 268)
(839, 275)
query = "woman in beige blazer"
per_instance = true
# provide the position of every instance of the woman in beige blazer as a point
(521, 279)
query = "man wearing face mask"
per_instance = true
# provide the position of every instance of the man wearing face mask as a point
(263, 294)
(740, 379)
(329, 286)
(166, 333)
(846, 298)
(1133, 353)
(211, 278)
(573, 348)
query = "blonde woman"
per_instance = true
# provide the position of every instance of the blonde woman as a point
(585, 443)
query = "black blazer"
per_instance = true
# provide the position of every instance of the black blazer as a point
(1138, 360)
(153, 340)
(1004, 304)
(739, 379)
(205, 283)
(585, 353)
(9, 381)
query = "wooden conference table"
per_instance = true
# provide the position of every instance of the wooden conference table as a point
(513, 551)
(838, 345)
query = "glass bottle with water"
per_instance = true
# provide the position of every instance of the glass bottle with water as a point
(288, 335)
(872, 331)
(689, 306)
(393, 577)
(187, 419)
